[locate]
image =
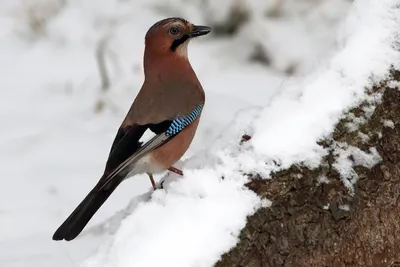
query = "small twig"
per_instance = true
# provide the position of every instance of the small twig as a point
(104, 77)
(101, 63)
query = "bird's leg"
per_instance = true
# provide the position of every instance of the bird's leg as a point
(175, 170)
(152, 181)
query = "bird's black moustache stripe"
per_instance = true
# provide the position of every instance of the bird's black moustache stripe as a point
(178, 42)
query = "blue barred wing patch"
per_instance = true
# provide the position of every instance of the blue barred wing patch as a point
(179, 124)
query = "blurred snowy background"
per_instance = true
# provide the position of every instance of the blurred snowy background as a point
(59, 114)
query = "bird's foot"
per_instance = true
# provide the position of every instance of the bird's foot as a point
(174, 170)
(162, 184)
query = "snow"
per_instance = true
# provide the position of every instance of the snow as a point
(349, 156)
(364, 137)
(308, 108)
(189, 208)
(54, 143)
(388, 123)
(344, 207)
(322, 179)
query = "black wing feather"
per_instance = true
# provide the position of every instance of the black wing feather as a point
(160, 127)
(126, 143)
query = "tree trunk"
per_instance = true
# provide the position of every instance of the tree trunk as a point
(314, 223)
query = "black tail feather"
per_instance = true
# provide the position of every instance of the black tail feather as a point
(80, 217)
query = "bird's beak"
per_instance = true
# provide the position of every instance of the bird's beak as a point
(199, 30)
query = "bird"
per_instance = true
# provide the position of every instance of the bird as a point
(169, 104)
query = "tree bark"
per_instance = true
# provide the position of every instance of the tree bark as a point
(323, 224)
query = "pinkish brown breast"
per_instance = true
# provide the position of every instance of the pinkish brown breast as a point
(166, 155)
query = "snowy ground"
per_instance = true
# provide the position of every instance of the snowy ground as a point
(54, 144)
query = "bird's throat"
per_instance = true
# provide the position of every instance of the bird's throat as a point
(181, 41)
(170, 64)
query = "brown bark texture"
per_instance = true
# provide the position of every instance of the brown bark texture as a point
(323, 224)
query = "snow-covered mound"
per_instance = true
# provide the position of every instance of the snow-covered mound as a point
(54, 142)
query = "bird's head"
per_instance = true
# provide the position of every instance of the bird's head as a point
(171, 37)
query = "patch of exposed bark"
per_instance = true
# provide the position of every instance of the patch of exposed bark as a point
(321, 224)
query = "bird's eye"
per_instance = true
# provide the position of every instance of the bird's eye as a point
(174, 30)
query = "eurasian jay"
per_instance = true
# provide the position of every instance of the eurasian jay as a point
(169, 104)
